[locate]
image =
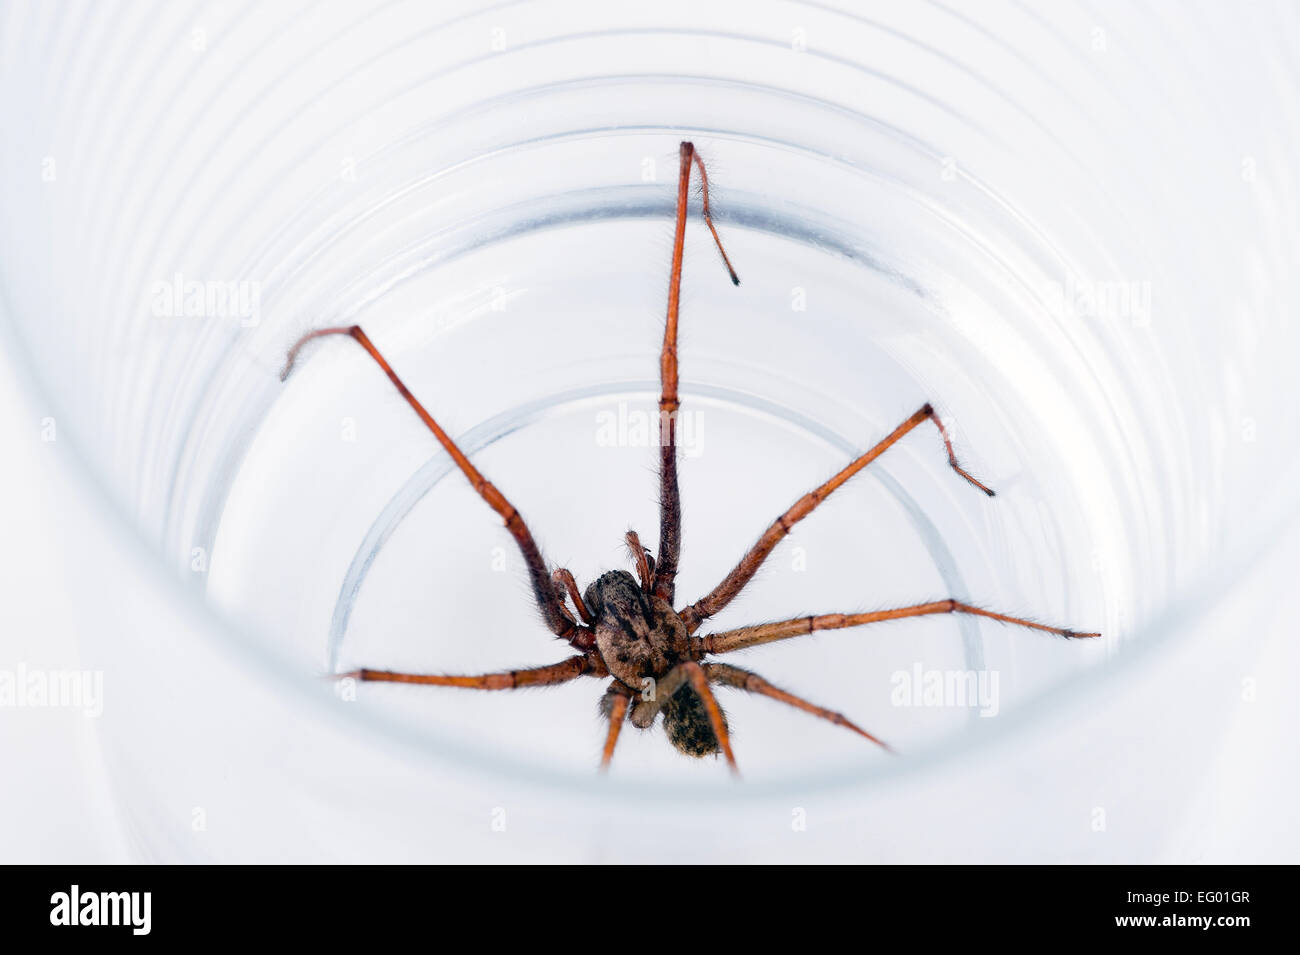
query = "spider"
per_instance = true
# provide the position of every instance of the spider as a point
(625, 626)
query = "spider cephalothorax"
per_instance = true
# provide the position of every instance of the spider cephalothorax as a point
(626, 627)
(639, 636)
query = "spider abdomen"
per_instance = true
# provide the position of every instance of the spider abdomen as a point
(686, 722)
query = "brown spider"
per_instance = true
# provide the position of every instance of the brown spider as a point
(629, 629)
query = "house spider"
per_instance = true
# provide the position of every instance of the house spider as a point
(629, 630)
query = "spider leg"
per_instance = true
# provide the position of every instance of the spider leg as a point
(670, 504)
(708, 217)
(548, 599)
(753, 683)
(743, 572)
(742, 637)
(614, 705)
(549, 675)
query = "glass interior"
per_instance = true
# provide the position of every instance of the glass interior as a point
(1074, 251)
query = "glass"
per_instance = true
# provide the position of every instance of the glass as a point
(1010, 216)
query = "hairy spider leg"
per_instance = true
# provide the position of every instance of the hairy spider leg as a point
(549, 675)
(753, 683)
(619, 701)
(670, 503)
(548, 598)
(728, 641)
(704, 608)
